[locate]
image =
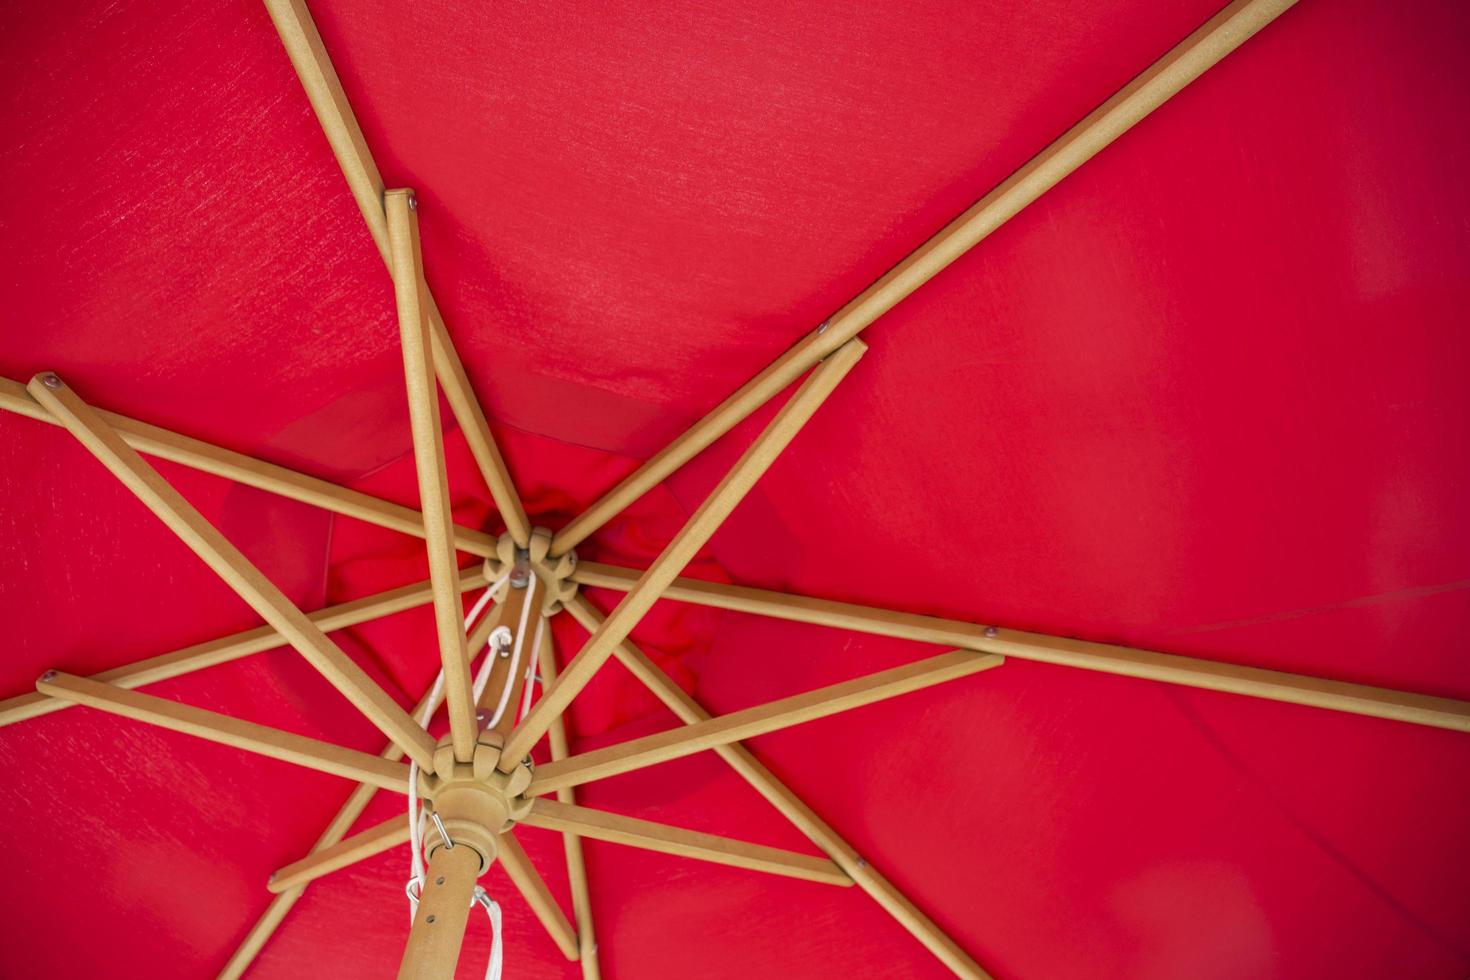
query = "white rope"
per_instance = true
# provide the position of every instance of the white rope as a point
(515, 659)
(492, 909)
(529, 687)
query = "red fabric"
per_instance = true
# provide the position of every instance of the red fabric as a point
(1205, 396)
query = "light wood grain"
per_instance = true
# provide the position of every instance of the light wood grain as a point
(444, 909)
(701, 525)
(214, 727)
(269, 602)
(1258, 682)
(384, 837)
(744, 762)
(309, 57)
(202, 456)
(618, 829)
(556, 737)
(1189, 59)
(352, 808)
(737, 726)
(406, 265)
(532, 886)
(227, 648)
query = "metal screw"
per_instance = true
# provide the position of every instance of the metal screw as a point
(991, 632)
(520, 575)
(823, 328)
(413, 205)
(51, 381)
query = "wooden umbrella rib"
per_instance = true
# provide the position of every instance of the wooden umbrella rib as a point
(334, 113)
(618, 829)
(1184, 63)
(695, 532)
(1259, 682)
(269, 602)
(744, 762)
(532, 886)
(737, 726)
(248, 471)
(227, 648)
(212, 726)
(384, 837)
(428, 453)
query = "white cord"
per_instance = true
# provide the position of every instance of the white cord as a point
(492, 909)
(529, 687)
(515, 659)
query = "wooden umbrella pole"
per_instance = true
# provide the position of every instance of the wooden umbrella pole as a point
(270, 477)
(1222, 34)
(701, 525)
(444, 910)
(309, 57)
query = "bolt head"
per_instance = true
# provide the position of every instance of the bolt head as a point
(51, 381)
(50, 675)
(413, 203)
(991, 632)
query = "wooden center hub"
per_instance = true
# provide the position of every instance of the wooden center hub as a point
(474, 801)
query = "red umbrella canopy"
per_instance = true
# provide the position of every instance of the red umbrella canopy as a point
(1206, 396)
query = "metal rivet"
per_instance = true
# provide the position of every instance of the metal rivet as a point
(439, 880)
(991, 632)
(429, 920)
(862, 863)
(51, 381)
(823, 328)
(413, 205)
(50, 675)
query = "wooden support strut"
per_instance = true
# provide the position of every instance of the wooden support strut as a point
(269, 602)
(737, 726)
(696, 531)
(406, 266)
(1258, 682)
(214, 727)
(749, 768)
(1202, 49)
(227, 648)
(618, 829)
(556, 737)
